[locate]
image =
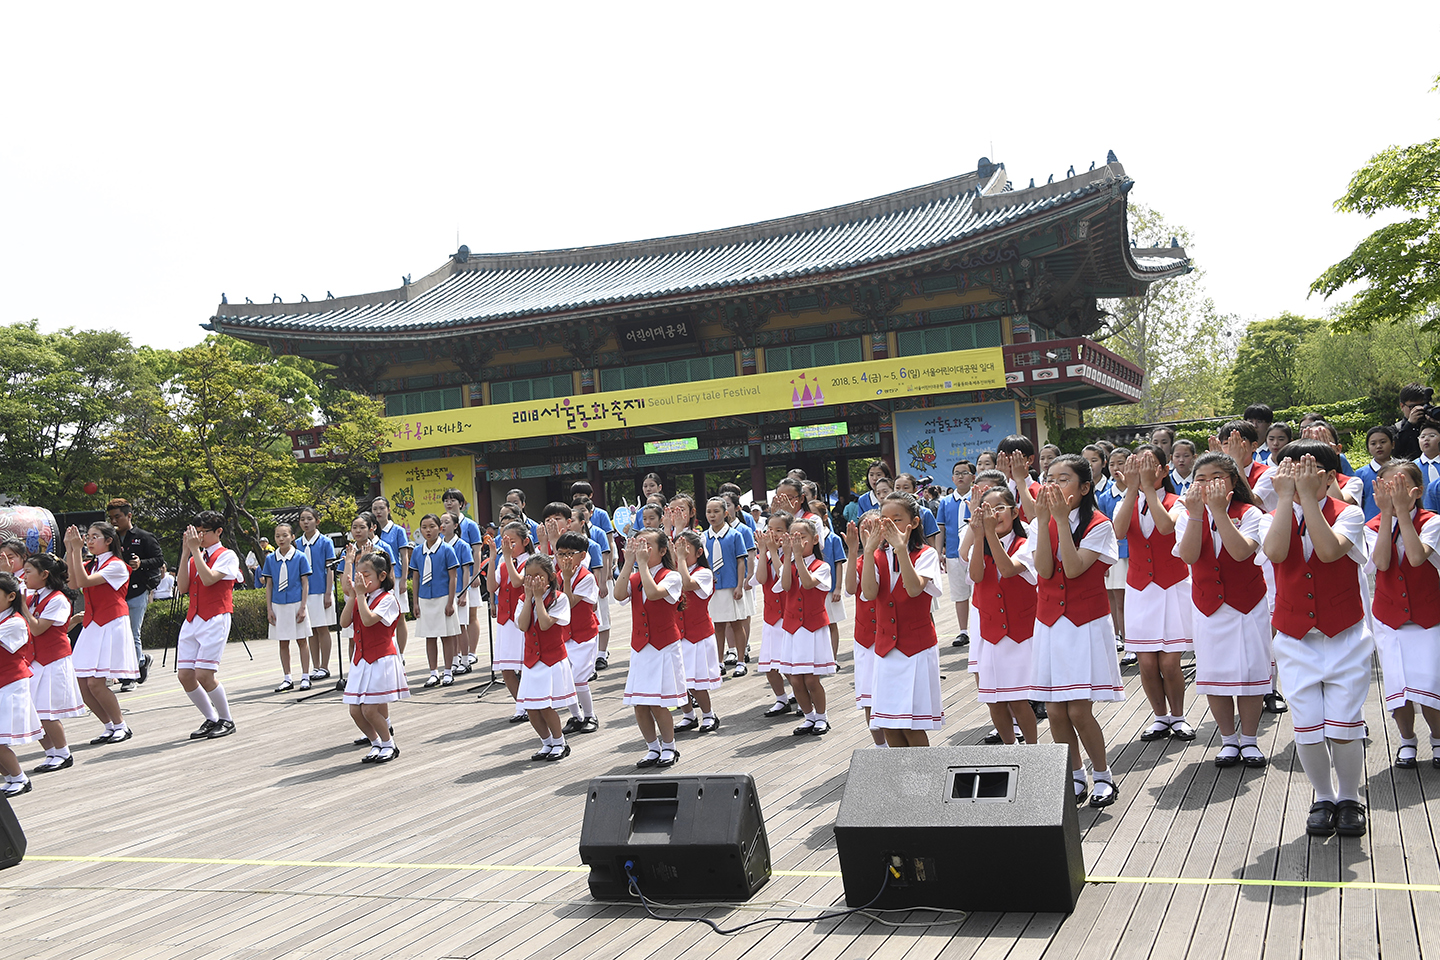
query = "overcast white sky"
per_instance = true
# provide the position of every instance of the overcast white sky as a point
(156, 156)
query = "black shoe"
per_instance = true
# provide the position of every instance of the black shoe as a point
(777, 710)
(1275, 703)
(651, 758)
(127, 686)
(120, 736)
(145, 662)
(542, 753)
(1040, 712)
(590, 725)
(555, 755)
(15, 789)
(361, 742)
(992, 737)
(687, 724)
(805, 729)
(1350, 818)
(204, 732)
(1321, 822)
(601, 662)
(51, 764)
(1130, 659)
(709, 724)
(320, 673)
(1100, 796)
(572, 725)
(387, 754)
(518, 718)
(674, 758)
(821, 728)
(103, 738)
(285, 686)
(222, 728)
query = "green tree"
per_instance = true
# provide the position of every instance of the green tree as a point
(1268, 367)
(63, 394)
(1398, 265)
(1340, 363)
(1174, 332)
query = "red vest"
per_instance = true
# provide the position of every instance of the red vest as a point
(545, 646)
(864, 609)
(507, 595)
(1223, 579)
(653, 623)
(774, 602)
(805, 606)
(695, 622)
(13, 666)
(1152, 558)
(375, 641)
(208, 602)
(1253, 474)
(1034, 488)
(902, 622)
(584, 623)
(1006, 604)
(1314, 595)
(104, 603)
(53, 644)
(1405, 593)
(1080, 600)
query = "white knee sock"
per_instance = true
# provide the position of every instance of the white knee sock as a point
(202, 703)
(587, 703)
(1349, 761)
(222, 705)
(1315, 759)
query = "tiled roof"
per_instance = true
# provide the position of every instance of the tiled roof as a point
(870, 236)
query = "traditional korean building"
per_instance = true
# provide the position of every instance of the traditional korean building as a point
(882, 291)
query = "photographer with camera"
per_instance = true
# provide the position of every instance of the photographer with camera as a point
(1415, 409)
(141, 551)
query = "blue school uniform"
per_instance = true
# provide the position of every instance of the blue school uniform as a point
(466, 558)
(868, 502)
(1367, 500)
(470, 532)
(1108, 500)
(296, 567)
(833, 550)
(381, 545)
(599, 546)
(953, 513)
(319, 554)
(732, 555)
(396, 536)
(1431, 499)
(747, 521)
(599, 517)
(442, 561)
(927, 522)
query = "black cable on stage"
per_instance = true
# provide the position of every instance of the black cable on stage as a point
(635, 891)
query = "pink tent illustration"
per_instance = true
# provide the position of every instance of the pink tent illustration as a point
(800, 399)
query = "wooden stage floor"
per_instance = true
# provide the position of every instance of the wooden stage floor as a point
(277, 842)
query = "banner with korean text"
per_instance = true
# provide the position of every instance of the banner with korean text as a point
(954, 371)
(929, 441)
(415, 488)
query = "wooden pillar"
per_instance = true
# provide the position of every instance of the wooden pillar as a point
(842, 475)
(701, 495)
(757, 474)
(483, 514)
(592, 474)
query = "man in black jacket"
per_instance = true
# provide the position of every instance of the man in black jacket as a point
(141, 551)
(1414, 407)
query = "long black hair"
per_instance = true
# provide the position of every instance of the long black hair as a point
(53, 569)
(1087, 505)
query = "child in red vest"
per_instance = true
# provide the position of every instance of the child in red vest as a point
(805, 584)
(1322, 643)
(1005, 597)
(582, 589)
(377, 677)
(18, 721)
(1074, 644)
(656, 684)
(699, 649)
(1218, 536)
(1405, 558)
(903, 579)
(105, 649)
(211, 571)
(855, 533)
(547, 683)
(1158, 605)
(53, 687)
(507, 585)
(773, 654)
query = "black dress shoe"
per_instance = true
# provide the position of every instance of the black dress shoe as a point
(145, 662)
(572, 725)
(651, 758)
(673, 759)
(1275, 703)
(541, 754)
(777, 710)
(1350, 818)
(519, 718)
(103, 738)
(1040, 712)
(687, 724)
(204, 732)
(1321, 822)
(15, 789)
(554, 755)
(361, 742)
(120, 736)
(387, 754)
(222, 728)
(51, 764)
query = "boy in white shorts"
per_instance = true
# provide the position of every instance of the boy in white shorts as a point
(210, 572)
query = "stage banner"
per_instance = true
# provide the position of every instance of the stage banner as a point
(929, 441)
(959, 370)
(415, 488)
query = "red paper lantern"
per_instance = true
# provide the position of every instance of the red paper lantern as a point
(92, 488)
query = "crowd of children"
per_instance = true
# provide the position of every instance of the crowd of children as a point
(1255, 556)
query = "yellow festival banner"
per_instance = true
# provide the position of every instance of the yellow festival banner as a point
(954, 371)
(415, 488)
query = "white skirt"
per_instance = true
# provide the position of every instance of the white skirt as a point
(509, 647)
(473, 599)
(582, 660)
(702, 664)
(906, 694)
(724, 608)
(1115, 576)
(1075, 663)
(772, 647)
(1158, 619)
(285, 627)
(834, 609)
(748, 599)
(432, 621)
(19, 722)
(202, 643)
(1232, 652)
(1006, 670)
(54, 691)
(1410, 659)
(380, 682)
(977, 646)
(543, 686)
(807, 651)
(318, 614)
(602, 611)
(403, 596)
(106, 651)
(657, 677)
(864, 675)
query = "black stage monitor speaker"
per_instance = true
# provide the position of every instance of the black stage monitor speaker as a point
(686, 837)
(12, 838)
(966, 828)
